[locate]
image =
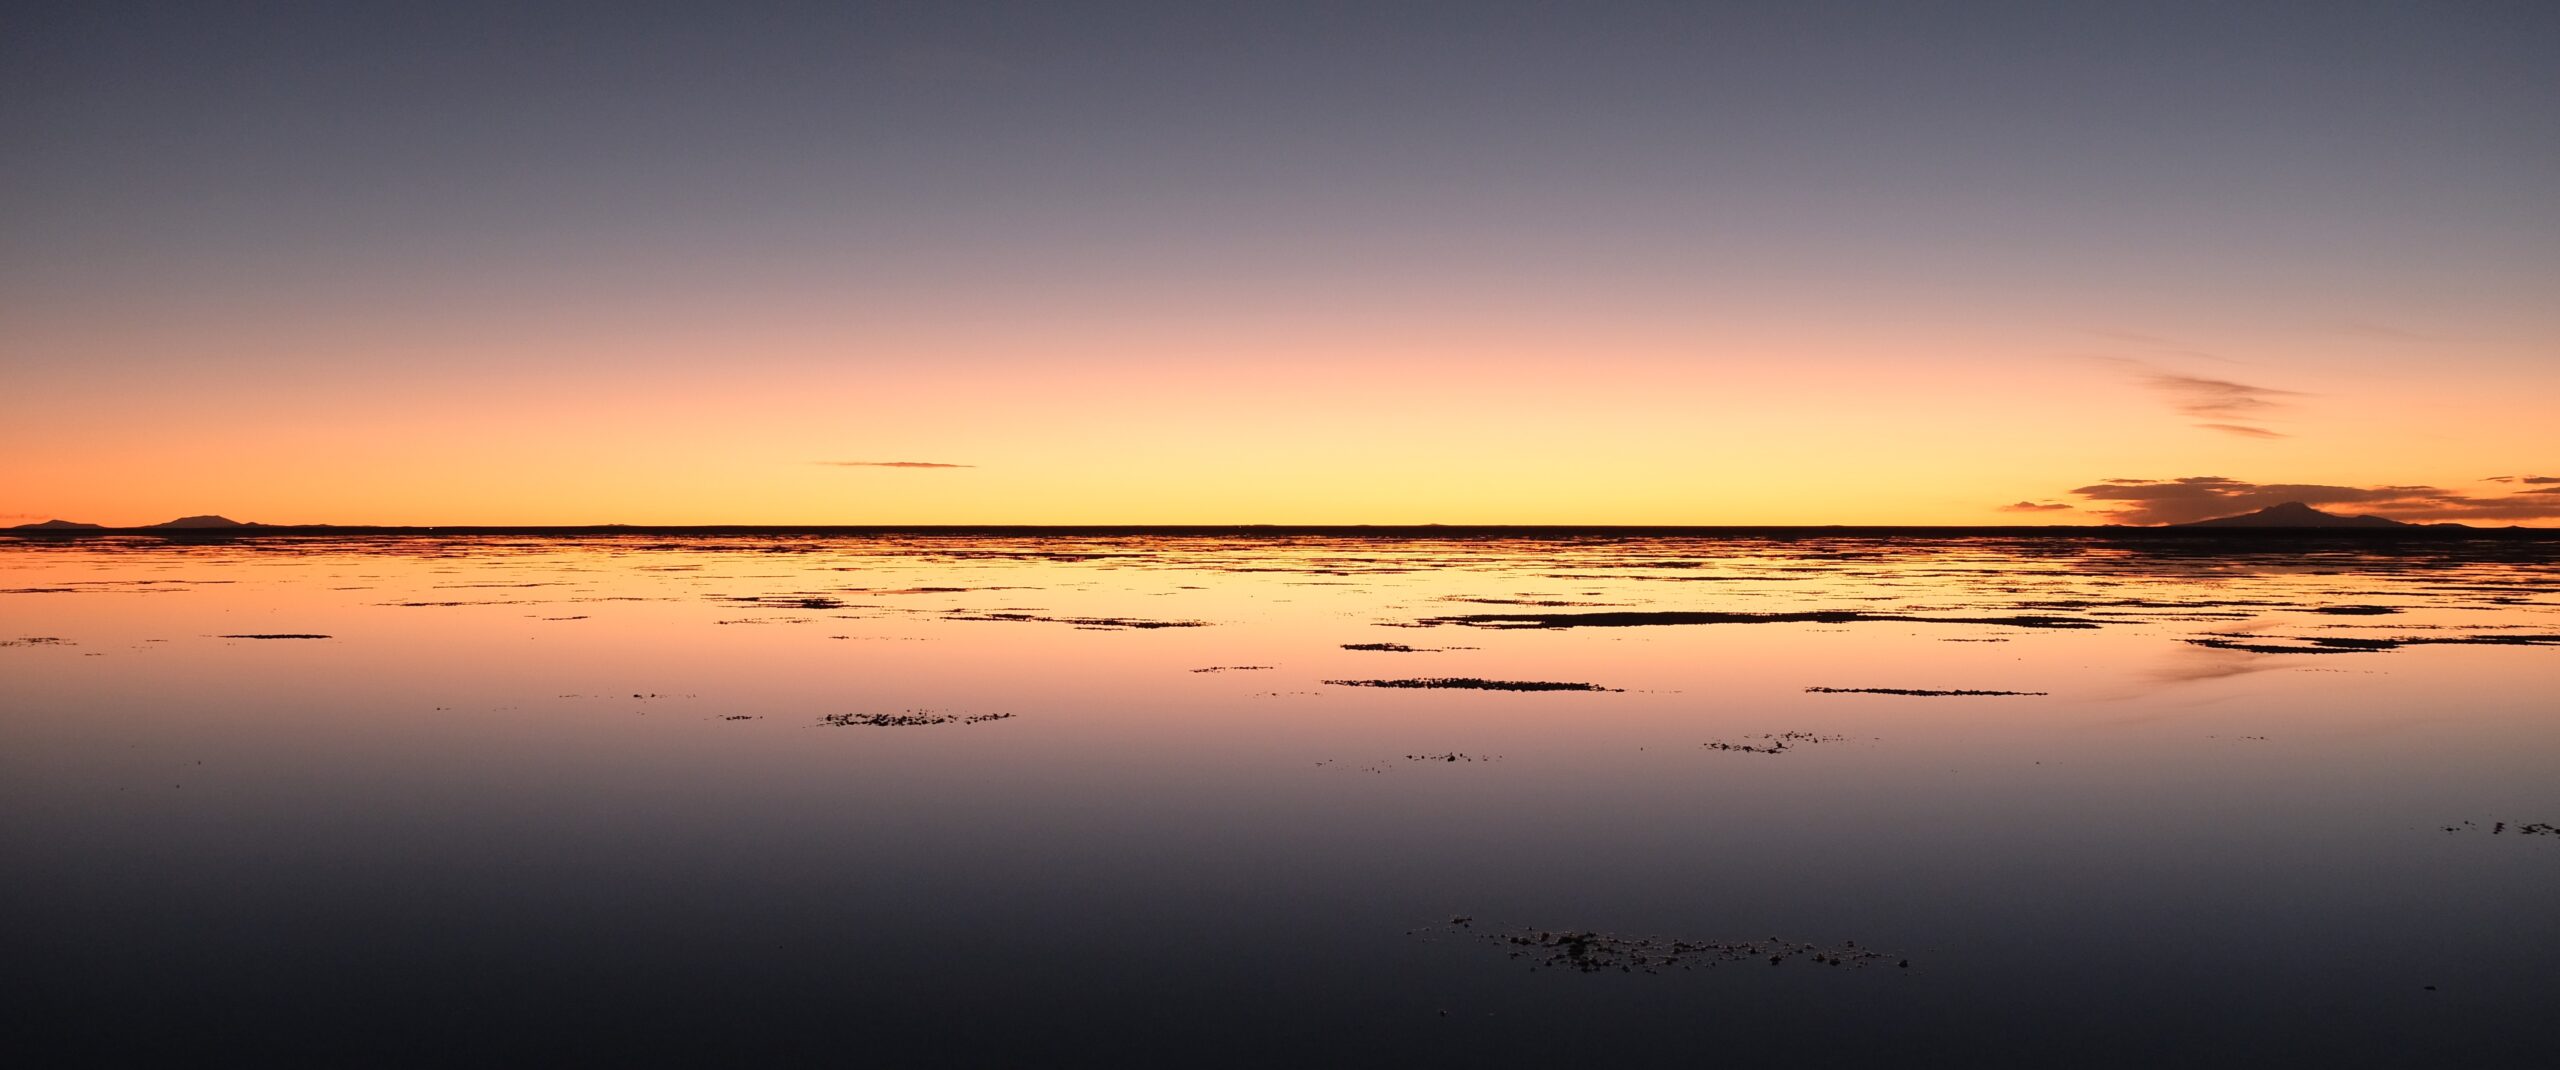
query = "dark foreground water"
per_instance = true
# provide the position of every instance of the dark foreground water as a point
(1287, 801)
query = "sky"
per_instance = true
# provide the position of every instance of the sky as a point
(1682, 263)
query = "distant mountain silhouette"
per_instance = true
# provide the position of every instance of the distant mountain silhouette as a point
(203, 522)
(2294, 515)
(59, 525)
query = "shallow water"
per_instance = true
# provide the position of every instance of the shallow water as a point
(972, 799)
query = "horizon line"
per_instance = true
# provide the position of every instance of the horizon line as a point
(255, 527)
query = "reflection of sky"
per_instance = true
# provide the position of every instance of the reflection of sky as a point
(470, 809)
(661, 262)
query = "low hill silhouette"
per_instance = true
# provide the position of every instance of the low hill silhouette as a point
(2294, 515)
(203, 522)
(59, 525)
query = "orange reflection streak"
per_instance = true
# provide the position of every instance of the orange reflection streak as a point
(1106, 634)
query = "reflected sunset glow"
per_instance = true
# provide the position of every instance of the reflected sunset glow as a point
(1112, 738)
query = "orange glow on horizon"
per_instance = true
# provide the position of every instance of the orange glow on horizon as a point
(1219, 419)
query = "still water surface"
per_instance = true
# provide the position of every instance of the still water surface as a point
(1012, 799)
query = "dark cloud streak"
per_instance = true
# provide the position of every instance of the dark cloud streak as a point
(2233, 408)
(2220, 403)
(2176, 501)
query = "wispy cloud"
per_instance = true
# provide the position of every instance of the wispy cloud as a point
(2522, 479)
(2036, 507)
(890, 464)
(2244, 430)
(2225, 405)
(2220, 404)
(2174, 501)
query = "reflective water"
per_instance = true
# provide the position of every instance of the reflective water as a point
(431, 800)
